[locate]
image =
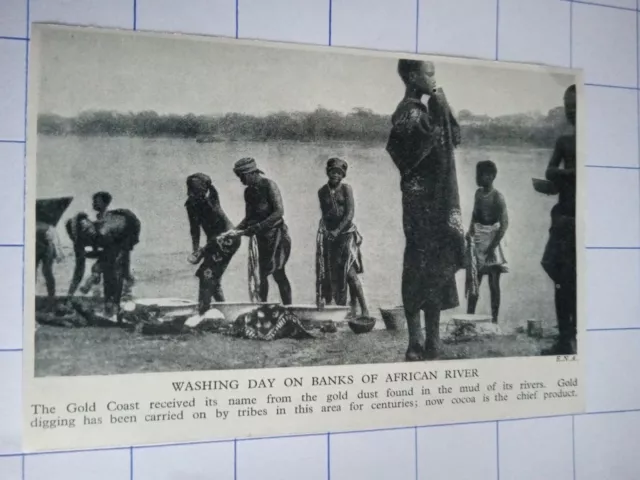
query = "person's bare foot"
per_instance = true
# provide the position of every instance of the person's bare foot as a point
(414, 353)
(432, 350)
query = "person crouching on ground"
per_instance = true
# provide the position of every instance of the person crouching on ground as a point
(205, 212)
(270, 243)
(338, 256)
(489, 223)
(111, 243)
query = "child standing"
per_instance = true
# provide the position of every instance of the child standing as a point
(489, 222)
(100, 203)
(338, 258)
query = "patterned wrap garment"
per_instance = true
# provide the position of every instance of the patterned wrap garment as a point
(421, 144)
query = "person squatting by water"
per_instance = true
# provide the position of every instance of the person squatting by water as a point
(559, 258)
(485, 254)
(205, 212)
(270, 243)
(110, 241)
(338, 255)
(421, 144)
(100, 203)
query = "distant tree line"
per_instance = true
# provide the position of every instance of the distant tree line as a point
(360, 124)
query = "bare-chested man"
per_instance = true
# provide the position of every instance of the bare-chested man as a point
(559, 258)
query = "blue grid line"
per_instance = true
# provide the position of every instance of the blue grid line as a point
(11, 245)
(9, 350)
(619, 167)
(24, 169)
(131, 463)
(605, 85)
(237, 18)
(415, 450)
(76, 450)
(497, 28)
(135, 14)
(196, 442)
(386, 429)
(613, 329)
(593, 247)
(235, 459)
(573, 445)
(571, 35)
(11, 141)
(596, 4)
(328, 455)
(20, 39)
(134, 447)
(278, 437)
(331, 21)
(498, 450)
(417, 23)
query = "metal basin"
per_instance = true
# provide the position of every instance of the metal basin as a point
(232, 310)
(312, 314)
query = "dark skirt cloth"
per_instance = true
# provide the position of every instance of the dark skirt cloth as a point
(421, 144)
(274, 249)
(216, 258)
(269, 323)
(434, 252)
(335, 259)
(559, 258)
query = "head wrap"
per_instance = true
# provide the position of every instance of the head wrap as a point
(198, 183)
(337, 163)
(246, 165)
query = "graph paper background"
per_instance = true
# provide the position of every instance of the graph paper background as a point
(602, 38)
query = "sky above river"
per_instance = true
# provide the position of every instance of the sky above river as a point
(128, 73)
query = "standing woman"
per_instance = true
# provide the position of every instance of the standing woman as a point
(421, 144)
(270, 243)
(205, 212)
(47, 252)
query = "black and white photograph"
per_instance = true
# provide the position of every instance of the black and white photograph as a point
(224, 205)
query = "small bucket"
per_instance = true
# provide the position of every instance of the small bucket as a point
(534, 328)
(394, 318)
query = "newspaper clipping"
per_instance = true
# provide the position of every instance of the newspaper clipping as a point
(231, 238)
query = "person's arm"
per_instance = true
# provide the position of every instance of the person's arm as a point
(277, 213)
(194, 228)
(321, 194)
(554, 172)
(455, 130)
(349, 210)
(474, 218)
(245, 221)
(504, 222)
